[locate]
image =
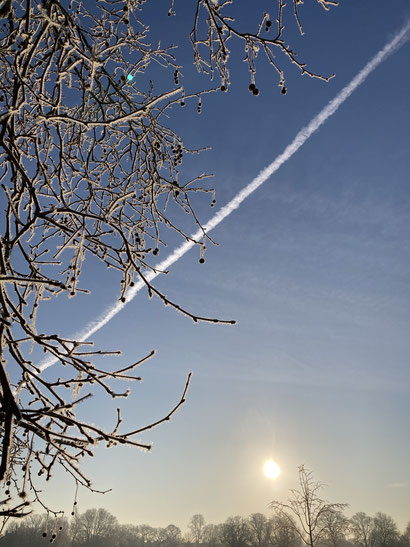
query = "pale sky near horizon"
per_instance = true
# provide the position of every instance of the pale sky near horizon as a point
(314, 267)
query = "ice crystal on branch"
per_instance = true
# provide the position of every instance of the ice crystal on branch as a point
(88, 167)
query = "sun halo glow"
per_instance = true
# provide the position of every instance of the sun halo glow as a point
(271, 469)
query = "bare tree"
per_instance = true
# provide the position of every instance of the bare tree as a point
(305, 511)
(146, 534)
(235, 532)
(125, 535)
(89, 169)
(35, 530)
(336, 526)
(196, 527)
(94, 526)
(361, 528)
(170, 536)
(405, 537)
(212, 534)
(385, 532)
(259, 527)
(282, 532)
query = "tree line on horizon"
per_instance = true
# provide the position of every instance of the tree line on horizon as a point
(100, 528)
(304, 520)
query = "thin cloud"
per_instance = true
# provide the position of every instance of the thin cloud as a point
(304, 134)
(399, 485)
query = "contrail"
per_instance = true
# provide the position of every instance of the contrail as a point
(400, 39)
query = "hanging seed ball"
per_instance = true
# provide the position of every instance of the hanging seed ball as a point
(60, 528)
(72, 513)
(177, 192)
(44, 534)
(54, 536)
(155, 251)
(7, 492)
(125, 8)
(283, 90)
(201, 260)
(252, 87)
(22, 494)
(268, 23)
(182, 103)
(8, 483)
(223, 87)
(255, 91)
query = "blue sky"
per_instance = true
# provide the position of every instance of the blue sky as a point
(315, 269)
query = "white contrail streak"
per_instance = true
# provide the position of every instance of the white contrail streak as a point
(401, 38)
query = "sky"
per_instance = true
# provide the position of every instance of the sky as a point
(314, 266)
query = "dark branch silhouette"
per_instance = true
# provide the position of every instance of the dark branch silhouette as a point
(89, 168)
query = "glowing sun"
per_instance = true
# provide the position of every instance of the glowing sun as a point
(271, 469)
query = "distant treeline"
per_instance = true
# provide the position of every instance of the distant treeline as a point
(99, 528)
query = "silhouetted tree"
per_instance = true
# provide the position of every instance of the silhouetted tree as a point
(283, 532)
(259, 529)
(146, 534)
(235, 532)
(196, 527)
(170, 536)
(361, 528)
(125, 535)
(405, 537)
(94, 527)
(305, 511)
(336, 525)
(88, 169)
(212, 534)
(99, 528)
(385, 532)
(36, 530)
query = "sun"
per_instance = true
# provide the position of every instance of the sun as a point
(271, 469)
